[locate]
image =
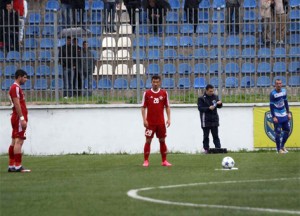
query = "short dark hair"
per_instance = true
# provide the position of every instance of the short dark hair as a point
(69, 38)
(209, 86)
(84, 42)
(155, 77)
(278, 80)
(20, 73)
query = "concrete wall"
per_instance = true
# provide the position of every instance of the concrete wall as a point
(119, 129)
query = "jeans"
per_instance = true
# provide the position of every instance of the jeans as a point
(235, 28)
(215, 134)
(68, 82)
(88, 81)
(109, 11)
(66, 14)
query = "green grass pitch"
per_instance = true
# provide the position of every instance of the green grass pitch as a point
(98, 185)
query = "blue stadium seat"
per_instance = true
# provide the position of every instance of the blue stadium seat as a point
(52, 5)
(264, 52)
(264, 67)
(49, 18)
(205, 4)
(175, 4)
(153, 69)
(153, 54)
(279, 67)
(249, 40)
(247, 82)
(214, 40)
(214, 68)
(214, 81)
(95, 54)
(294, 81)
(170, 54)
(142, 54)
(215, 30)
(282, 78)
(219, 4)
(215, 16)
(233, 40)
(142, 42)
(27, 85)
(94, 84)
(199, 82)
(169, 69)
(232, 68)
(45, 56)
(295, 14)
(200, 53)
(154, 42)
(40, 84)
(248, 68)
(294, 39)
(10, 70)
(263, 81)
(133, 84)
(2, 57)
(172, 17)
(29, 70)
(120, 83)
(249, 28)
(200, 68)
(30, 43)
(60, 84)
(203, 16)
(294, 52)
(201, 41)
(148, 83)
(13, 56)
(28, 56)
(144, 29)
(6, 83)
(104, 83)
(97, 5)
(47, 43)
(43, 70)
(248, 53)
(233, 53)
(186, 29)
(32, 31)
(202, 28)
(294, 27)
(249, 15)
(184, 83)
(249, 4)
(60, 70)
(294, 3)
(48, 31)
(184, 68)
(95, 30)
(231, 82)
(186, 41)
(294, 67)
(34, 18)
(279, 52)
(172, 29)
(96, 17)
(94, 42)
(168, 83)
(213, 53)
(171, 41)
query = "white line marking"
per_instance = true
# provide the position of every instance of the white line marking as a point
(134, 194)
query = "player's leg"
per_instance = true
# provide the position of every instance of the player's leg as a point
(206, 138)
(11, 155)
(161, 134)
(277, 130)
(285, 134)
(216, 139)
(149, 132)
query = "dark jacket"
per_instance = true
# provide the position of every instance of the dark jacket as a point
(9, 21)
(192, 4)
(161, 7)
(87, 63)
(66, 56)
(3, 4)
(132, 3)
(78, 4)
(209, 118)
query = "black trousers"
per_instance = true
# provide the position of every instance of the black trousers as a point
(215, 134)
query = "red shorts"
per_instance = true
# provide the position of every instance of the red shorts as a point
(159, 130)
(17, 130)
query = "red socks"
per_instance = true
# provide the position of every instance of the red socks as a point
(146, 151)
(18, 159)
(163, 151)
(11, 156)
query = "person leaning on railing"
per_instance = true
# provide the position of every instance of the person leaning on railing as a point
(280, 18)
(191, 11)
(265, 12)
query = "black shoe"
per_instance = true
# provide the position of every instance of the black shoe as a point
(12, 169)
(22, 169)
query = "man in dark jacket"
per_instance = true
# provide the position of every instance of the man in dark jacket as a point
(78, 9)
(207, 105)
(191, 10)
(131, 5)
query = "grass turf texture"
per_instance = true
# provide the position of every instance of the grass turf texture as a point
(98, 184)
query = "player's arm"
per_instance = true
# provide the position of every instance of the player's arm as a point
(17, 106)
(202, 106)
(145, 122)
(286, 104)
(168, 111)
(272, 106)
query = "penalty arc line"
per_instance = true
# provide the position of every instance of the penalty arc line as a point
(134, 194)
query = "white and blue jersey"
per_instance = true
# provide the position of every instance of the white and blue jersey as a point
(279, 105)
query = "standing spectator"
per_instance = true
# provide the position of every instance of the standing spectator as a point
(280, 18)
(87, 67)
(207, 105)
(155, 100)
(3, 4)
(2, 12)
(191, 11)
(9, 21)
(266, 15)
(66, 7)
(157, 10)
(232, 6)
(109, 13)
(131, 5)
(281, 115)
(19, 119)
(76, 63)
(78, 11)
(66, 59)
(21, 7)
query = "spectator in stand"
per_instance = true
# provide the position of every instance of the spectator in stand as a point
(66, 59)
(20, 6)
(265, 12)
(157, 10)
(191, 11)
(78, 11)
(2, 10)
(3, 4)
(131, 5)
(66, 7)
(9, 20)
(77, 82)
(109, 13)
(232, 6)
(280, 19)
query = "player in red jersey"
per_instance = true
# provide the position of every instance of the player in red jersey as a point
(155, 101)
(19, 119)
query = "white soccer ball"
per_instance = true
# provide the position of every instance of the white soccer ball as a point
(227, 163)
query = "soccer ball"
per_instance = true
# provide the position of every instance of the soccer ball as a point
(227, 163)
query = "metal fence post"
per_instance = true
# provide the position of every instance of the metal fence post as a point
(138, 77)
(56, 56)
(219, 56)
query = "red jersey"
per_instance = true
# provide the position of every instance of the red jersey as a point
(18, 5)
(15, 91)
(155, 102)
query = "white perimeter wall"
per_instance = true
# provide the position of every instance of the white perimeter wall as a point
(119, 129)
